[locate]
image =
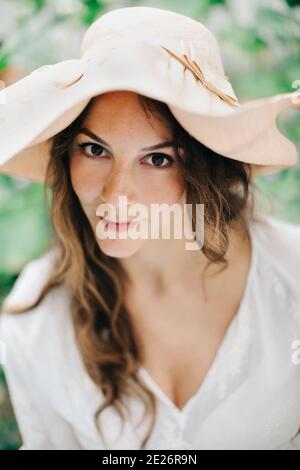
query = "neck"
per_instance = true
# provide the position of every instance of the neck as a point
(162, 266)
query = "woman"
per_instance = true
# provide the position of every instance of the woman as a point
(139, 342)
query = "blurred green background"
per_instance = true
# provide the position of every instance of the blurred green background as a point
(260, 47)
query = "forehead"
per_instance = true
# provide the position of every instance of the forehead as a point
(123, 110)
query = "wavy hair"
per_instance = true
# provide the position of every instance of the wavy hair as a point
(96, 282)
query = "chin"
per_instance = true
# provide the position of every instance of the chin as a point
(119, 248)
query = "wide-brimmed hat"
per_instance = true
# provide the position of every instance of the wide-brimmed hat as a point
(153, 52)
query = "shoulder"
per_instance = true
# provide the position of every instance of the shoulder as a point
(37, 347)
(278, 264)
(38, 322)
(280, 241)
(282, 232)
(31, 280)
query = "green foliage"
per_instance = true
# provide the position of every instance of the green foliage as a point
(4, 60)
(37, 4)
(293, 3)
(91, 10)
(24, 223)
(245, 38)
(10, 438)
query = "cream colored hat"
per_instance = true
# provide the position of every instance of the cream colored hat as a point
(154, 52)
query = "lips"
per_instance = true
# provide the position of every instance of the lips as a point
(121, 222)
(116, 226)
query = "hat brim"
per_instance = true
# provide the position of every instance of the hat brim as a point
(43, 103)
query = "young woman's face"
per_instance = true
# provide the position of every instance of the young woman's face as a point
(122, 166)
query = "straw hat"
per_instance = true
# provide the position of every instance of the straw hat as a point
(154, 52)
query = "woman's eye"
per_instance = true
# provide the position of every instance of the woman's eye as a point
(158, 158)
(95, 150)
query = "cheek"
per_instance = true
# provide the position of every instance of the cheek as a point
(164, 188)
(87, 182)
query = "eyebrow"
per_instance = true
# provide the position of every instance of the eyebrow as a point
(84, 130)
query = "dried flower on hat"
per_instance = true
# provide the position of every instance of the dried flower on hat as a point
(195, 69)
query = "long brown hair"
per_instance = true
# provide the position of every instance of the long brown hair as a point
(96, 282)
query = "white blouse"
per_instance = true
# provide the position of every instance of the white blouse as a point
(249, 399)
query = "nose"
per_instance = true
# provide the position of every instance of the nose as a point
(120, 182)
